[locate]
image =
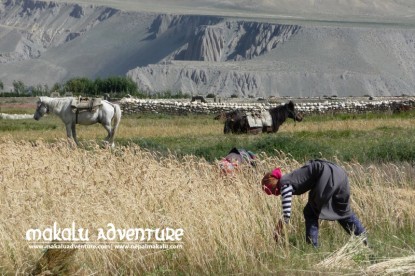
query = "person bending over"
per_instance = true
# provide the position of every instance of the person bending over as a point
(328, 190)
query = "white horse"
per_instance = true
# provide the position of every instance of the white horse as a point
(107, 114)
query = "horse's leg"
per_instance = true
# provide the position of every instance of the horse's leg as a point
(73, 128)
(108, 128)
(69, 134)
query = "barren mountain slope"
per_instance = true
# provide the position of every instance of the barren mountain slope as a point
(392, 11)
(100, 41)
(49, 42)
(315, 61)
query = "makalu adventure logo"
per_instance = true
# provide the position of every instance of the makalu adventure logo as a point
(109, 237)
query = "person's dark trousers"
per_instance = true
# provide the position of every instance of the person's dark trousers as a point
(311, 225)
(353, 225)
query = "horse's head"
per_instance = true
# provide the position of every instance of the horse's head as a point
(41, 109)
(292, 113)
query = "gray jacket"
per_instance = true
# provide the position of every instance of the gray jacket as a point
(328, 187)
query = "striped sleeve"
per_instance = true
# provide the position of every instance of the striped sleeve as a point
(286, 197)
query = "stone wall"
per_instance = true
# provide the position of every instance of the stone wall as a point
(184, 107)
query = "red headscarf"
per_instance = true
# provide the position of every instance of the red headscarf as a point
(276, 173)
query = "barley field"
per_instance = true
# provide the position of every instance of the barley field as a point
(227, 221)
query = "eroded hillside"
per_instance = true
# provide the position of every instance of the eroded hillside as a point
(29, 28)
(48, 42)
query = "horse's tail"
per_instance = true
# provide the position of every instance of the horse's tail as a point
(116, 121)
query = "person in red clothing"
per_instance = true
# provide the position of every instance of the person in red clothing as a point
(328, 190)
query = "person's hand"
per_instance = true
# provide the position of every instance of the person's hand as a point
(279, 230)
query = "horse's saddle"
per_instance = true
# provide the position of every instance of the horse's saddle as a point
(259, 119)
(85, 104)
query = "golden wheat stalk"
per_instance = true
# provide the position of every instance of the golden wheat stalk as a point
(396, 266)
(228, 221)
(55, 261)
(344, 256)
